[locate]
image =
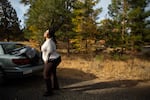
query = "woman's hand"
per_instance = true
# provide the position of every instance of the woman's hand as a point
(46, 62)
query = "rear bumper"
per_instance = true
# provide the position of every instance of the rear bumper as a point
(19, 72)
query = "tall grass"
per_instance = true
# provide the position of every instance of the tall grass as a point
(132, 68)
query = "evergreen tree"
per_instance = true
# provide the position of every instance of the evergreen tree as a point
(110, 32)
(84, 20)
(9, 23)
(47, 14)
(137, 21)
(131, 17)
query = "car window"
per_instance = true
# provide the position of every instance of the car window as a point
(10, 47)
(1, 50)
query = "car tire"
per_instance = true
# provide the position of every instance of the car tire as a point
(1, 72)
(2, 75)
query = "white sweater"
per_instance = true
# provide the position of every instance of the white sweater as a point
(49, 50)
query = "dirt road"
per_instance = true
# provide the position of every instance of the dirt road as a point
(75, 88)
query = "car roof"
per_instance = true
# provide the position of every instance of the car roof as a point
(10, 43)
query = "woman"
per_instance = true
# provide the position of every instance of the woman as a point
(51, 60)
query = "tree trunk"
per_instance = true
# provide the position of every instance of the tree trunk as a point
(86, 45)
(124, 26)
(68, 46)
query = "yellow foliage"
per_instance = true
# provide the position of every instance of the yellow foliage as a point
(33, 29)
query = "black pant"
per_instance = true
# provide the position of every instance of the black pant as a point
(50, 73)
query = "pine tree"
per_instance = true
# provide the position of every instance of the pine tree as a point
(131, 17)
(84, 20)
(9, 23)
(137, 21)
(47, 14)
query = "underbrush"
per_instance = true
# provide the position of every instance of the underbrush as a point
(104, 67)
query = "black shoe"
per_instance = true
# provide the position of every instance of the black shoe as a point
(46, 94)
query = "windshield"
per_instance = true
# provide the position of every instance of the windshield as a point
(11, 47)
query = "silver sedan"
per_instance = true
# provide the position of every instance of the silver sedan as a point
(18, 60)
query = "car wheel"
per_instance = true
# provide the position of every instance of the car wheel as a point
(2, 74)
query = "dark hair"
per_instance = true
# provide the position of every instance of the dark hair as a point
(52, 35)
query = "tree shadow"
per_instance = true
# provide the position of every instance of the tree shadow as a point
(65, 76)
(76, 84)
(33, 85)
(105, 85)
(69, 76)
(23, 82)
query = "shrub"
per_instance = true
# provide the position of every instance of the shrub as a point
(99, 57)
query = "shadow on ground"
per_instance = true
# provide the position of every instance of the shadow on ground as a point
(70, 76)
(26, 87)
(86, 86)
(75, 85)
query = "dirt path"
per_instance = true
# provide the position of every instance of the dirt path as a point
(76, 85)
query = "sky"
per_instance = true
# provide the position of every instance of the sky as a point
(21, 9)
(104, 4)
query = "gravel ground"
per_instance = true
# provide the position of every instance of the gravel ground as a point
(75, 88)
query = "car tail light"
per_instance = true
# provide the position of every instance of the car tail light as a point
(21, 61)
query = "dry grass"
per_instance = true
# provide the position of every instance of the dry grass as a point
(134, 69)
(105, 69)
